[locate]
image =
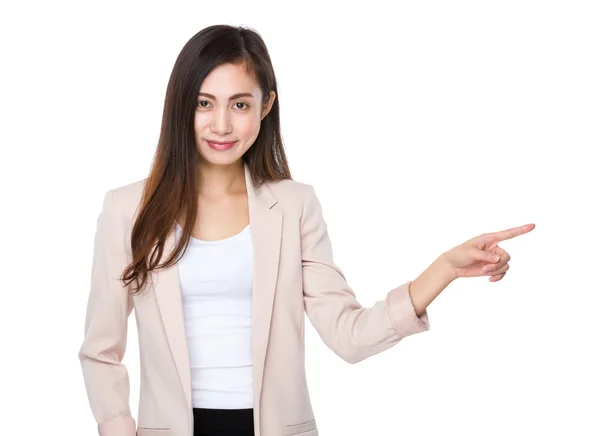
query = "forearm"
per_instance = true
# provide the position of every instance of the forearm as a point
(425, 288)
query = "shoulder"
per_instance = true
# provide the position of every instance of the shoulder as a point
(292, 191)
(298, 199)
(289, 192)
(127, 197)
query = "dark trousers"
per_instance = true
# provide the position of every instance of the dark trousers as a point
(223, 422)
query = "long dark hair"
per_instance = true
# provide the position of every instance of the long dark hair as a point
(171, 190)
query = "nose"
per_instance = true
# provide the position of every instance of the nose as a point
(220, 123)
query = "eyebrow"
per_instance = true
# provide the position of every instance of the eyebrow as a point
(233, 97)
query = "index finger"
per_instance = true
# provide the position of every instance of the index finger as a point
(511, 233)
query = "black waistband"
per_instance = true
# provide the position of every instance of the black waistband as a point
(224, 419)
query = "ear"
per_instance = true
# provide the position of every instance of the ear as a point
(268, 105)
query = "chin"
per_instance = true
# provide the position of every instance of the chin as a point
(214, 157)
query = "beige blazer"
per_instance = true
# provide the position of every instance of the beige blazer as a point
(294, 273)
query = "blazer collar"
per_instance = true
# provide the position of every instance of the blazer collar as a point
(265, 230)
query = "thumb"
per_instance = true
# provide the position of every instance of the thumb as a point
(482, 255)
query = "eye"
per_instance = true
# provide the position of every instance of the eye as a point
(201, 103)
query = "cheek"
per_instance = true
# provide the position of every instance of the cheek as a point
(250, 126)
(246, 126)
(201, 121)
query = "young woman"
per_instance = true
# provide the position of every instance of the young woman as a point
(221, 253)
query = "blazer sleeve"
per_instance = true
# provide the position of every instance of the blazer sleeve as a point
(105, 334)
(352, 331)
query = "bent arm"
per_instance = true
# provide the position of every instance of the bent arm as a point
(352, 331)
(105, 334)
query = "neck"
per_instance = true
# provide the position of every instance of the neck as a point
(221, 180)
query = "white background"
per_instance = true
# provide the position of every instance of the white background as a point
(419, 124)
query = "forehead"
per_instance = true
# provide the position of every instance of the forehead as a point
(228, 79)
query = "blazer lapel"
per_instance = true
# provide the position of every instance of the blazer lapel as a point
(265, 230)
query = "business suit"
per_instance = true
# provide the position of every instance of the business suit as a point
(293, 272)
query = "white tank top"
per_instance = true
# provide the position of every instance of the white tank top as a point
(216, 289)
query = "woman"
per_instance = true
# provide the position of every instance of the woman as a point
(220, 253)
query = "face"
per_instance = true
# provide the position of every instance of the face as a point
(228, 109)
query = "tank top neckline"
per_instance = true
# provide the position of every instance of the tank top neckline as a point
(197, 241)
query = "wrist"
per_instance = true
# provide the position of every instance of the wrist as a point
(445, 268)
(425, 288)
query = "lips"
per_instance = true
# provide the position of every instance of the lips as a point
(220, 142)
(218, 145)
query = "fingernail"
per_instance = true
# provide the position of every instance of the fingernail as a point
(496, 258)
